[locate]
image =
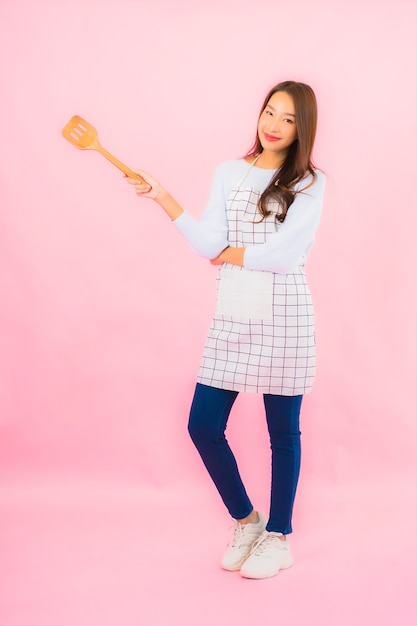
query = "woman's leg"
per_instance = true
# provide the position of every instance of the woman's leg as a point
(209, 413)
(282, 414)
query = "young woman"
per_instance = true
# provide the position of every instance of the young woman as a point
(258, 227)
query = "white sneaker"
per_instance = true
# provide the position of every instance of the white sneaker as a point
(241, 543)
(269, 554)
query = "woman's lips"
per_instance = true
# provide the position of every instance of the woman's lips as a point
(270, 137)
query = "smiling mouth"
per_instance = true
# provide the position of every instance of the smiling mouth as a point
(270, 137)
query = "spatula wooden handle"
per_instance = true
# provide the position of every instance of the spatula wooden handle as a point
(130, 173)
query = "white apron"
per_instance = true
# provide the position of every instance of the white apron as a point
(261, 339)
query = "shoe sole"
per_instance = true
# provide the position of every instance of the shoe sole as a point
(236, 567)
(232, 569)
(285, 565)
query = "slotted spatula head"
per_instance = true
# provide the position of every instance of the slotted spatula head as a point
(80, 133)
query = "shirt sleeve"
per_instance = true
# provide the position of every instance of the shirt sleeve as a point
(208, 235)
(285, 249)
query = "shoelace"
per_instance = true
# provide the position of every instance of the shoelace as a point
(236, 538)
(266, 540)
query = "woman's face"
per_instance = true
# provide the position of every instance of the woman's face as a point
(277, 126)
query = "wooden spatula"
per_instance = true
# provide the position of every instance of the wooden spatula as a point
(84, 136)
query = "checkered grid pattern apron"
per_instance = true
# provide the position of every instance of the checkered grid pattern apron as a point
(261, 339)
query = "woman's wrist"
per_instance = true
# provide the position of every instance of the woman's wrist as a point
(169, 205)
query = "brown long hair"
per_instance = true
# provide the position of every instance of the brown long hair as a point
(298, 162)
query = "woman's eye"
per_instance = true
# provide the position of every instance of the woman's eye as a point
(289, 121)
(268, 112)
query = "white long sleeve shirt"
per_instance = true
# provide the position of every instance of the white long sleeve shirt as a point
(283, 250)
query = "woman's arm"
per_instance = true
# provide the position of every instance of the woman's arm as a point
(155, 191)
(283, 250)
(207, 236)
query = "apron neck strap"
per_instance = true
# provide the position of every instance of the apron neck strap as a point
(246, 172)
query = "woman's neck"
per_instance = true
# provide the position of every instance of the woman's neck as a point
(268, 160)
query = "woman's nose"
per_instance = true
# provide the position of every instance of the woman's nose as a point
(274, 125)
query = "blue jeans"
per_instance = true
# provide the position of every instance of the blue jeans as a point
(209, 414)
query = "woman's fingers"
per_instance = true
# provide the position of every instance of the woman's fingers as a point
(147, 178)
(142, 185)
(146, 186)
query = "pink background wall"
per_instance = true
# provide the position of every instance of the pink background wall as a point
(104, 309)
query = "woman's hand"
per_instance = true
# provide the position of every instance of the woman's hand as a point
(218, 260)
(234, 256)
(150, 189)
(154, 190)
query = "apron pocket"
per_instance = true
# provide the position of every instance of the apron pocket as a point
(245, 294)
